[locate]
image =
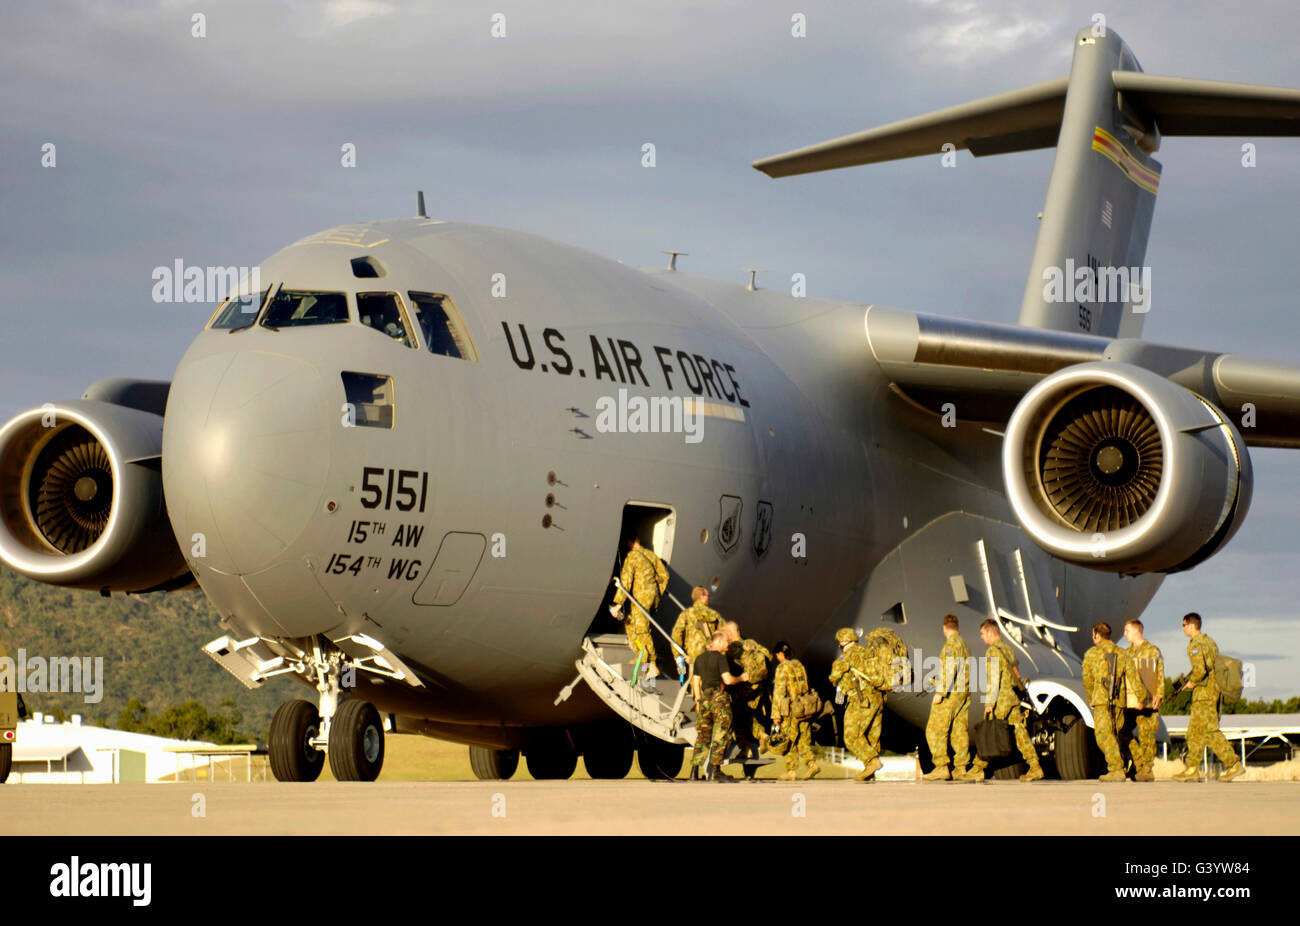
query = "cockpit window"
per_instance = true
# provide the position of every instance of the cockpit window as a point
(238, 311)
(296, 308)
(383, 312)
(444, 333)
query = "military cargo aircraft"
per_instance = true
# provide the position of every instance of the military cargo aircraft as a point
(402, 466)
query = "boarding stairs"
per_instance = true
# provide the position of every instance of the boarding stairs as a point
(609, 667)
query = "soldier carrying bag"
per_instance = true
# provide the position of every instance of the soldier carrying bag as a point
(993, 738)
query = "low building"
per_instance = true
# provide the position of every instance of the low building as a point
(49, 752)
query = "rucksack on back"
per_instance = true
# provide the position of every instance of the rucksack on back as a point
(761, 667)
(892, 670)
(1227, 674)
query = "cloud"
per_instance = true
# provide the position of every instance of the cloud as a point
(346, 12)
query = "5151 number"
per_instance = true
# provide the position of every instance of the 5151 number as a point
(394, 488)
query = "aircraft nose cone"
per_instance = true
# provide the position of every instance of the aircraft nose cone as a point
(245, 457)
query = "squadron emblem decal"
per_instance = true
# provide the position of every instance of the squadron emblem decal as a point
(763, 530)
(728, 522)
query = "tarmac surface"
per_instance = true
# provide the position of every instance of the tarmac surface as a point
(641, 807)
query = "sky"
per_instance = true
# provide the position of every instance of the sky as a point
(221, 148)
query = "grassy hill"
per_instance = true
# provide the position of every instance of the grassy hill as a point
(151, 646)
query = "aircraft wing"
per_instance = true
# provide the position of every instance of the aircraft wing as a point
(985, 368)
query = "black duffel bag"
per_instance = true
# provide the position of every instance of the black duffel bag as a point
(993, 738)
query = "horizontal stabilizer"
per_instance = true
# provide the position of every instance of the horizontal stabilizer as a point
(1181, 106)
(1017, 121)
(1030, 118)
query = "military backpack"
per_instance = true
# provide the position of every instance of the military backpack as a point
(891, 670)
(1227, 674)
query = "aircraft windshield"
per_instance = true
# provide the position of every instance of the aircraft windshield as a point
(296, 308)
(440, 323)
(383, 312)
(239, 311)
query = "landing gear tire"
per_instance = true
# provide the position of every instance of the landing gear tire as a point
(551, 759)
(356, 747)
(610, 756)
(659, 761)
(293, 757)
(1073, 749)
(493, 764)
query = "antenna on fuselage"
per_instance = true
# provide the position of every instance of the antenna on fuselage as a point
(419, 205)
(672, 257)
(753, 275)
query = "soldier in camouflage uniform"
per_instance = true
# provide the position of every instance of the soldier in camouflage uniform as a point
(713, 705)
(646, 578)
(791, 682)
(1203, 725)
(950, 710)
(862, 716)
(755, 659)
(696, 625)
(1142, 708)
(1003, 702)
(1107, 674)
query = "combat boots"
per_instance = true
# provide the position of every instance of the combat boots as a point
(1191, 773)
(869, 771)
(1233, 772)
(974, 773)
(813, 770)
(938, 773)
(1145, 775)
(1035, 773)
(787, 775)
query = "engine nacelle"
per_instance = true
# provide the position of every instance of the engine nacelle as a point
(1114, 467)
(81, 498)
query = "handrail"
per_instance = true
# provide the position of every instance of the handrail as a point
(619, 585)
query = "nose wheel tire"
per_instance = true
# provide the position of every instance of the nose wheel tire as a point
(293, 757)
(356, 746)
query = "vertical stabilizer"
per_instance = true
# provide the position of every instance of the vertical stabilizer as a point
(1088, 272)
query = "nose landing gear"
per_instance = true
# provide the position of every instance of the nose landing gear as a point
(350, 731)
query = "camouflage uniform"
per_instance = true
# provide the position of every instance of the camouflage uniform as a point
(1203, 725)
(790, 682)
(862, 717)
(1139, 711)
(1105, 693)
(712, 728)
(645, 576)
(950, 718)
(752, 695)
(694, 627)
(1000, 663)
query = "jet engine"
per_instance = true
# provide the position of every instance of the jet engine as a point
(81, 498)
(1114, 467)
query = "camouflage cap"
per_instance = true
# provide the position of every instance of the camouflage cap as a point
(846, 635)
